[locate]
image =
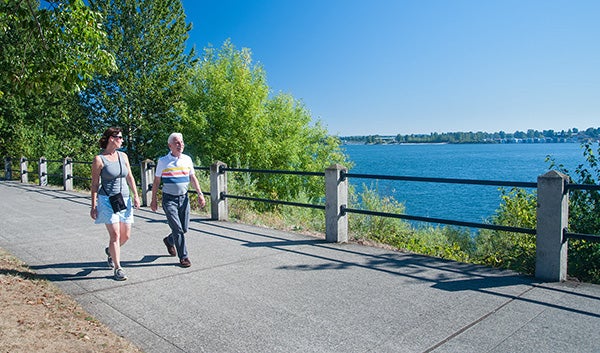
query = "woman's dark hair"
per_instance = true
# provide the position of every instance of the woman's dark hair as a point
(111, 131)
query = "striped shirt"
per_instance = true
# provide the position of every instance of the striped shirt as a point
(175, 173)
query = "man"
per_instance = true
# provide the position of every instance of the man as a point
(176, 170)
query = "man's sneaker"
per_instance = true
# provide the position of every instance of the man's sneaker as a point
(120, 275)
(185, 262)
(170, 248)
(109, 260)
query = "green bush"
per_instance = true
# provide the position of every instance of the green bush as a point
(445, 242)
(514, 251)
(584, 216)
(517, 251)
(380, 229)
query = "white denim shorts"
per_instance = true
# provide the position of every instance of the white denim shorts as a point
(107, 216)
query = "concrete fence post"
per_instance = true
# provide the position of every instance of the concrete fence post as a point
(43, 171)
(68, 174)
(552, 219)
(146, 179)
(219, 209)
(7, 168)
(336, 196)
(24, 176)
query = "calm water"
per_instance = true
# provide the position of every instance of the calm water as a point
(473, 203)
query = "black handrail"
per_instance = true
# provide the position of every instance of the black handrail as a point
(581, 236)
(523, 184)
(570, 186)
(289, 203)
(344, 209)
(53, 175)
(439, 220)
(270, 171)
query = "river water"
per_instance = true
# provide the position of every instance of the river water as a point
(471, 203)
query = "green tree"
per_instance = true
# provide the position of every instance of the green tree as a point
(230, 117)
(50, 51)
(225, 102)
(147, 38)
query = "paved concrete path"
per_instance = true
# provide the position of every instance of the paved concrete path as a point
(253, 289)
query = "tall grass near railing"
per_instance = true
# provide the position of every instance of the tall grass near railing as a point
(515, 251)
(445, 242)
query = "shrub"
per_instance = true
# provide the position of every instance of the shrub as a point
(584, 216)
(514, 251)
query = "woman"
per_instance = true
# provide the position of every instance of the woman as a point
(111, 174)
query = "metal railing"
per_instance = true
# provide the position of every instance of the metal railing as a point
(46, 174)
(446, 181)
(555, 199)
(581, 236)
(344, 209)
(224, 195)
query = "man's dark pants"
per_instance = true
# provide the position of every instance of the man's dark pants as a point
(177, 210)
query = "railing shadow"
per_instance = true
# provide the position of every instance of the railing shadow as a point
(413, 266)
(379, 262)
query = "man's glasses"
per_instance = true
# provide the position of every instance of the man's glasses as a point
(118, 137)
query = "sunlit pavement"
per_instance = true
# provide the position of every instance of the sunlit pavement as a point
(252, 289)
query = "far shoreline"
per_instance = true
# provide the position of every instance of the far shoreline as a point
(347, 143)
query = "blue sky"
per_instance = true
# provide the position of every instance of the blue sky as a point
(399, 67)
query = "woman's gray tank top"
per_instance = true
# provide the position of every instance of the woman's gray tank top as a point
(112, 177)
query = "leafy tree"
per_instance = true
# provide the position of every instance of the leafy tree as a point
(230, 117)
(53, 49)
(225, 102)
(49, 126)
(147, 38)
(50, 50)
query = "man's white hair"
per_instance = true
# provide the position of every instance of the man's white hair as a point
(173, 136)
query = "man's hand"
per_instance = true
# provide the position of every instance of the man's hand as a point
(201, 200)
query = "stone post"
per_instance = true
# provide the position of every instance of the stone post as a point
(43, 171)
(552, 219)
(7, 168)
(336, 196)
(147, 178)
(68, 174)
(219, 209)
(24, 176)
